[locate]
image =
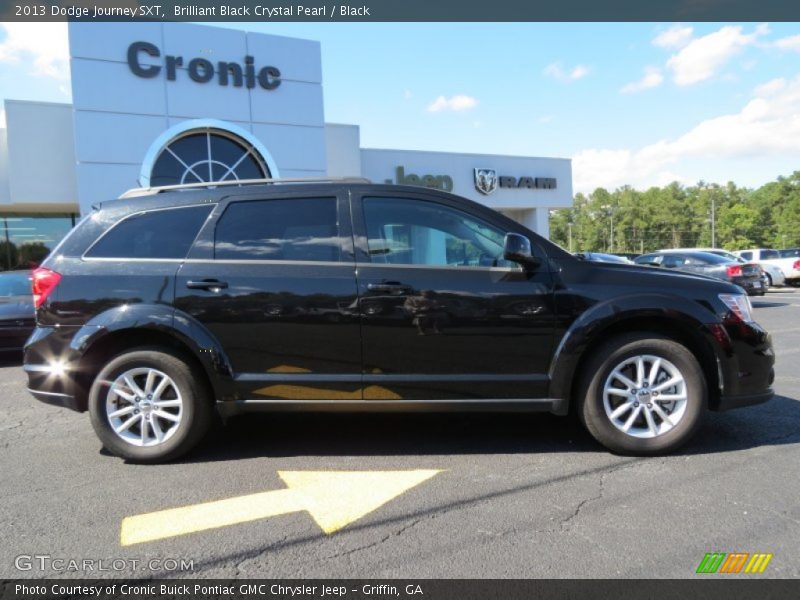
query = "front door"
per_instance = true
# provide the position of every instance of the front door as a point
(273, 280)
(444, 317)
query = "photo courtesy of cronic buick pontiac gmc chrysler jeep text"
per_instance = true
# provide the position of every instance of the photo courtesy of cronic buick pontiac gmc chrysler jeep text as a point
(168, 304)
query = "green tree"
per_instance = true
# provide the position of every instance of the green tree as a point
(32, 254)
(8, 255)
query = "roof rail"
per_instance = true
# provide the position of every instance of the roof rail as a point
(151, 191)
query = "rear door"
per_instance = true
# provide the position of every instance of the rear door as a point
(272, 278)
(444, 317)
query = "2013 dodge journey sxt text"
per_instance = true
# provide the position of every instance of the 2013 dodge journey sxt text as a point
(343, 295)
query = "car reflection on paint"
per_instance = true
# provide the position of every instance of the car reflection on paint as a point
(17, 315)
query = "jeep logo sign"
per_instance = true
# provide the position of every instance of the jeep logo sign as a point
(437, 182)
(202, 70)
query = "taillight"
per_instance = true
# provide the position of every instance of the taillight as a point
(796, 265)
(734, 271)
(44, 282)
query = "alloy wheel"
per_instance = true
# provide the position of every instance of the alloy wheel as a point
(144, 406)
(645, 396)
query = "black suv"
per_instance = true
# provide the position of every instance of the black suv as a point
(156, 310)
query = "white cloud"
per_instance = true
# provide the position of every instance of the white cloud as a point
(546, 119)
(407, 94)
(702, 57)
(42, 46)
(455, 103)
(788, 43)
(770, 87)
(557, 71)
(652, 78)
(767, 125)
(675, 37)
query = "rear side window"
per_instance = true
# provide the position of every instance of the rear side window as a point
(769, 254)
(165, 233)
(283, 229)
(649, 259)
(673, 261)
(746, 255)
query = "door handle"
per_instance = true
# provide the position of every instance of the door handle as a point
(213, 285)
(387, 287)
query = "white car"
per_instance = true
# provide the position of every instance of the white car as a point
(789, 266)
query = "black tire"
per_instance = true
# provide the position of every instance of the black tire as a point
(599, 367)
(197, 409)
(769, 279)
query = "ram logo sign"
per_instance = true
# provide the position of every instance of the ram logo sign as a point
(734, 562)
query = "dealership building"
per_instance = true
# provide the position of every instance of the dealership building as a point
(164, 104)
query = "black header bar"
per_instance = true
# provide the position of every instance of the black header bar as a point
(401, 10)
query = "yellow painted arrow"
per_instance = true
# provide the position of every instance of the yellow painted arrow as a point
(333, 498)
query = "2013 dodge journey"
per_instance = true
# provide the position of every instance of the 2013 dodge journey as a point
(160, 308)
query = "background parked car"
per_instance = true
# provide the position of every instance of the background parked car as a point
(629, 255)
(790, 265)
(17, 315)
(745, 275)
(772, 276)
(601, 257)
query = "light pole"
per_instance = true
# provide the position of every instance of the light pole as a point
(713, 221)
(569, 229)
(610, 210)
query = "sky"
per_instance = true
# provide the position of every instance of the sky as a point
(631, 104)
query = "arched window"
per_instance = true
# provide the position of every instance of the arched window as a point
(207, 154)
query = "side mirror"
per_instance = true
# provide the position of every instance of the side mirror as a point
(517, 248)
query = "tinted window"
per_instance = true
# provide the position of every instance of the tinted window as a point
(285, 229)
(791, 253)
(415, 232)
(770, 254)
(15, 284)
(166, 233)
(673, 261)
(746, 255)
(648, 259)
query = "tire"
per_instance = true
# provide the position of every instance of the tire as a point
(596, 407)
(769, 280)
(184, 397)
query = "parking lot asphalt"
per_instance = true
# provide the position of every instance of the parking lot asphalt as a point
(499, 495)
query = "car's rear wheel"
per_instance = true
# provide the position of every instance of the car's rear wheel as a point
(148, 405)
(769, 280)
(642, 394)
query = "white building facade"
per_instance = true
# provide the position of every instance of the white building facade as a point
(162, 104)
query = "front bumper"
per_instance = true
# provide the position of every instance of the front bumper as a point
(746, 362)
(731, 402)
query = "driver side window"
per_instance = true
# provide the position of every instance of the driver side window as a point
(415, 232)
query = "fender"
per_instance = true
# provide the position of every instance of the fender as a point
(592, 323)
(166, 320)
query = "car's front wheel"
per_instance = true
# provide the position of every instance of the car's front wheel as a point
(148, 405)
(642, 394)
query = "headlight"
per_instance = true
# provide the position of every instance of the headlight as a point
(739, 305)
